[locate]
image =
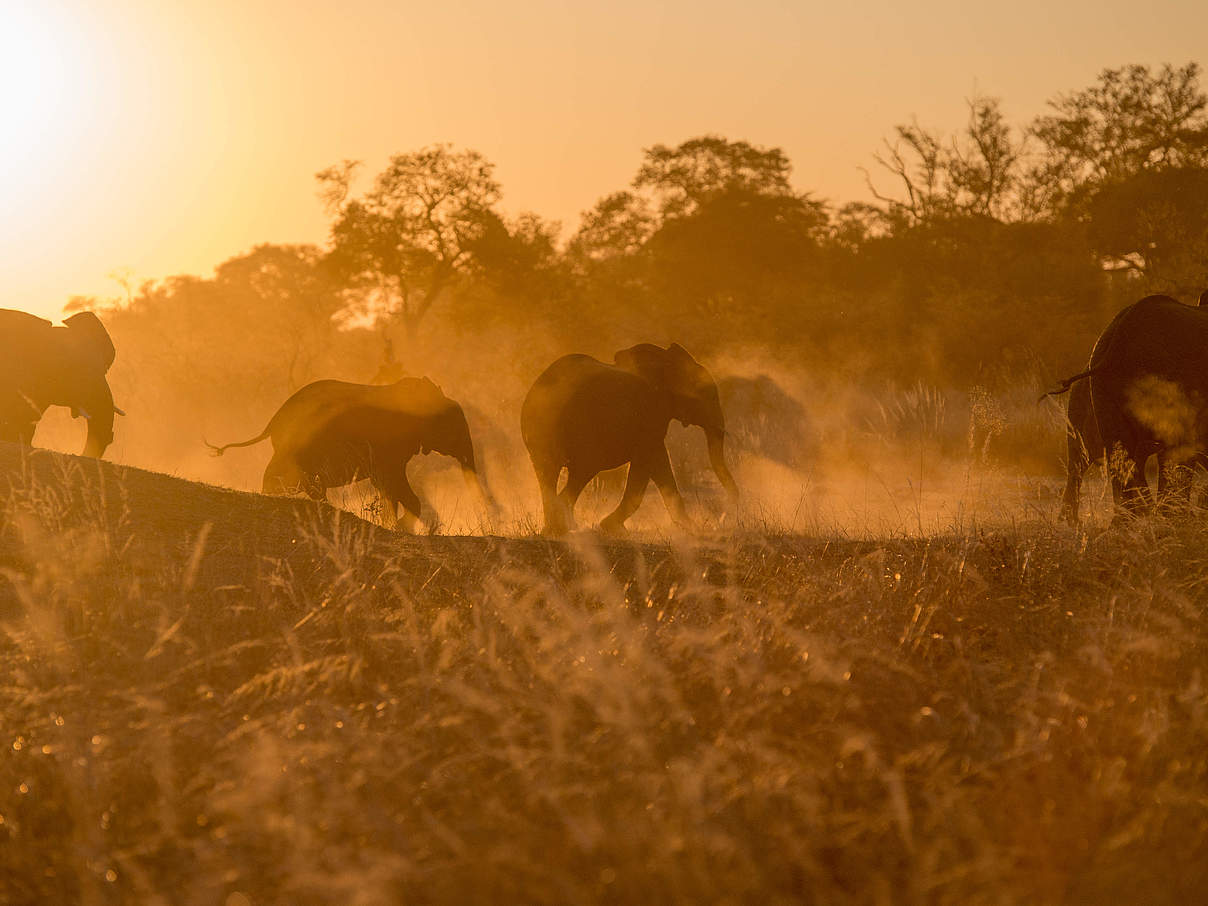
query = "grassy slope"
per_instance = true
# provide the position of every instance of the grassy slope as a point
(293, 705)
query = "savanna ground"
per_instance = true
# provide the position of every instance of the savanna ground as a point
(214, 697)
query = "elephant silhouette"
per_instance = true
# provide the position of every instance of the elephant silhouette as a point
(1147, 389)
(586, 416)
(42, 366)
(333, 433)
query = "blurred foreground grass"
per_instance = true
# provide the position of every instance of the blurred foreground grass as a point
(210, 697)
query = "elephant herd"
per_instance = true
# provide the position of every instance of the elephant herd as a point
(1144, 393)
(581, 415)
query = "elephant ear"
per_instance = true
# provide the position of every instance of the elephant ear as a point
(679, 352)
(90, 334)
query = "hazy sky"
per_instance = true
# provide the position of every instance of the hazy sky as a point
(163, 138)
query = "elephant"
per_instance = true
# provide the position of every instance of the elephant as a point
(765, 425)
(333, 433)
(1084, 445)
(587, 416)
(42, 366)
(1148, 388)
(765, 420)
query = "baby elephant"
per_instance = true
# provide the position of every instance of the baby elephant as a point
(332, 433)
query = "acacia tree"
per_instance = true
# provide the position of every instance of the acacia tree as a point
(403, 242)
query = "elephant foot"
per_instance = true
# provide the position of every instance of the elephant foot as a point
(614, 527)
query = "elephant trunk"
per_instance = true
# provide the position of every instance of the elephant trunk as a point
(97, 407)
(100, 433)
(476, 482)
(716, 439)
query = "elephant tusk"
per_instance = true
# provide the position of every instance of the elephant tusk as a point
(118, 411)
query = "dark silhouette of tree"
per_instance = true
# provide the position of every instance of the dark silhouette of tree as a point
(619, 224)
(1154, 223)
(1132, 120)
(710, 228)
(291, 297)
(736, 250)
(406, 240)
(683, 178)
(974, 173)
(1128, 159)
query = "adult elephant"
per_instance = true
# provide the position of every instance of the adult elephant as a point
(1084, 444)
(42, 366)
(1084, 448)
(587, 416)
(333, 433)
(1148, 379)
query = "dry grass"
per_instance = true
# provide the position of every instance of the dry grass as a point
(210, 697)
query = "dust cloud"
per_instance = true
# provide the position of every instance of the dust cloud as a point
(812, 453)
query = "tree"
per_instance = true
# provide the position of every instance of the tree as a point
(737, 249)
(1154, 224)
(289, 301)
(403, 242)
(686, 176)
(1128, 159)
(1131, 121)
(973, 174)
(619, 225)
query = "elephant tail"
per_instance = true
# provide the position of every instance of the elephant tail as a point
(218, 451)
(1068, 383)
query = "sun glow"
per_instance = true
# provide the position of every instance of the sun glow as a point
(40, 86)
(58, 76)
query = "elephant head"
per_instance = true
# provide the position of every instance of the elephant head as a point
(690, 393)
(447, 432)
(42, 366)
(88, 355)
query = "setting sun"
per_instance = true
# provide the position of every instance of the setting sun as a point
(50, 82)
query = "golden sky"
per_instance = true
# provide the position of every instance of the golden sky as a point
(158, 138)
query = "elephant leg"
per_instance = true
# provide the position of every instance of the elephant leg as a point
(283, 476)
(576, 481)
(635, 490)
(1124, 445)
(1174, 481)
(396, 489)
(1126, 469)
(664, 480)
(1078, 460)
(556, 522)
(1069, 499)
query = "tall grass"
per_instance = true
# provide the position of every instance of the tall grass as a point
(1016, 716)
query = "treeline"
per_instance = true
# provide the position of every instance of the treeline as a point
(990, 253)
